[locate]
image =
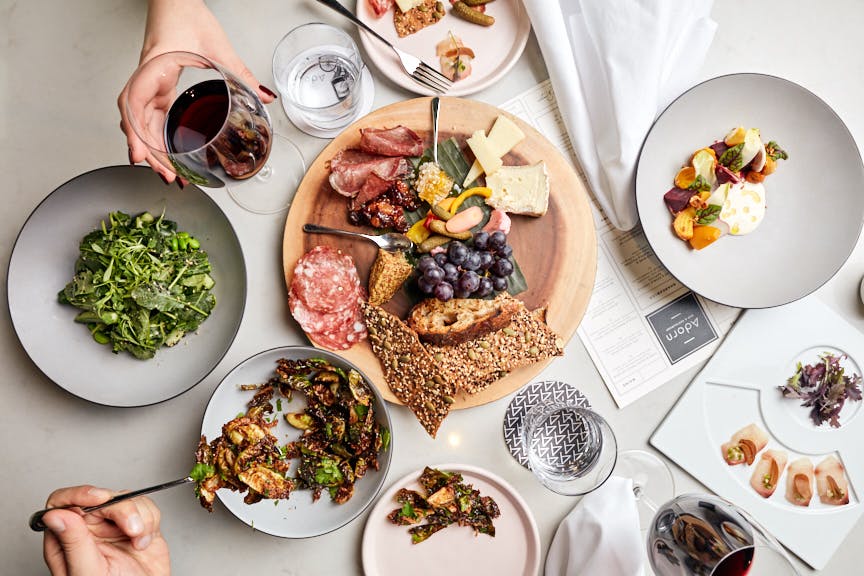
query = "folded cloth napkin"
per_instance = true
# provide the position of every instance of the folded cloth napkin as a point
(601, 535)
(614, 66)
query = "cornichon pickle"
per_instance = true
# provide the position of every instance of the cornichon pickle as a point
(476, 2)
(432, 242)
(465, 12)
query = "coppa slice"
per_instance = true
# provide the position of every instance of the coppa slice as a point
(799, 482)
(767, 472)
(744, 445)
(396, 141)
(349, 170)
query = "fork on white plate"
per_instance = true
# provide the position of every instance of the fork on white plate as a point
(421, 72)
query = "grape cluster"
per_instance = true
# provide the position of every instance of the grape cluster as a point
(462, 271)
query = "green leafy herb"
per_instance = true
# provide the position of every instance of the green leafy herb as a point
(408, 510)
(708, 214)
(732, 158)
(700, 185)
(201, 471)
(775, 152)
(140, 283)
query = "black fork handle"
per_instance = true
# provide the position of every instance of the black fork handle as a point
(337, 7)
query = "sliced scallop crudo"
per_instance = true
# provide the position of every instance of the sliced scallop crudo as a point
(799, 482)
(831, 483)
(744, 445)
(767, 472)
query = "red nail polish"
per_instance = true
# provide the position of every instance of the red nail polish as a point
(131, 162)
(180, 183)
(267, 91)
(164, 179)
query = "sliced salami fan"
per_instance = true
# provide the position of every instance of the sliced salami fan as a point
(325, 280)
(325, 298)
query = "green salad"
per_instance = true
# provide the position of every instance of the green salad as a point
(140, 284)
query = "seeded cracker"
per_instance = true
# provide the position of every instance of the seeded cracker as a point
(412, 374)
(477, 363)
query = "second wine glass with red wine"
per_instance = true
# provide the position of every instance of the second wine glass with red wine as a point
(702, 535)
(209, 128)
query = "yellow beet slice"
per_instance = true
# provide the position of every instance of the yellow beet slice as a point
(683, 224)
(704, 236)
(685, 177)
(735, 136)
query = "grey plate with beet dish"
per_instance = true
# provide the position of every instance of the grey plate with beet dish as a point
(43, 262)
(298, 516)
(814, 199)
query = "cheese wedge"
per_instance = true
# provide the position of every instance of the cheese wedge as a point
(503, 136)
(520, 189)
(484, 152)
(406, 5)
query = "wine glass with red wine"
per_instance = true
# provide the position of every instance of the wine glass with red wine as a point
(702, 535)
(202, 123)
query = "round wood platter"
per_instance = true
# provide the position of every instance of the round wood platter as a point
(557, 252)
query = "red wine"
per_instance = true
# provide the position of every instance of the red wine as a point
(237, 141)
(736, 564)
(197, 116)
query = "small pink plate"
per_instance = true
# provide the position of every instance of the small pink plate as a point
(455, 550)
(497, 47)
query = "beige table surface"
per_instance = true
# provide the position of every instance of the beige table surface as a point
(62, 65)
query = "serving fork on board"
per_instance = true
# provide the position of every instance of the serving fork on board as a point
(421, 72)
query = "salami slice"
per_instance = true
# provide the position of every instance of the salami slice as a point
(347, 331)
(325, 280)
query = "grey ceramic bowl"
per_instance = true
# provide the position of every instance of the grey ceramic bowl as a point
(43, 262)
(298, 516)
(814, 199)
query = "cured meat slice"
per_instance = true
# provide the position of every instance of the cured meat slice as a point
(374, 187)
(380, 7)
(325, 280)
(343, 330)
(396, 141)
(349, 170)
(309, 320)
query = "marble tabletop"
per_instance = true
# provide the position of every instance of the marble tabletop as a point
(61, 69)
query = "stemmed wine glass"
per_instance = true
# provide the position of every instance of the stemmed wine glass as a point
(216, 131)
(702, 535)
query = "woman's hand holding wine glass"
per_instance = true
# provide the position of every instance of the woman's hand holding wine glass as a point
(172, 25)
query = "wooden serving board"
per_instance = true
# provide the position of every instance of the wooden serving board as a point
(556, 252)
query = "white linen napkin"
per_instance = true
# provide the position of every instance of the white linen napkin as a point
(601, 535)
(614, 66)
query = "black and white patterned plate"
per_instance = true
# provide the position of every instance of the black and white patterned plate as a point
(532, 394)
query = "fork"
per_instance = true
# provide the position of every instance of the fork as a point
(421, 72)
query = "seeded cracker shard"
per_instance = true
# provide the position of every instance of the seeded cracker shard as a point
(412, 374)
(477, 363)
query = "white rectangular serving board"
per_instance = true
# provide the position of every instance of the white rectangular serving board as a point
(739, 386)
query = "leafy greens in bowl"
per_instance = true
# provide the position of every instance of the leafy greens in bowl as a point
(141, 284)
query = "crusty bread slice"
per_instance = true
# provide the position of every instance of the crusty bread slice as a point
(461, 319)
(475, 364)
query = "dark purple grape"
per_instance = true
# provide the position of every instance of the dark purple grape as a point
(481, 240)
(426, 286)
(444, 291)
(434, 275)
(468, 282)
(485, 287)
(461, 294)
(440, 258)
(451, 273)
(472, 262)
(425, 262)
(505, 251)
(499, 284)
(457, 252)
(502, 268)
(486, 260)
(497, 239)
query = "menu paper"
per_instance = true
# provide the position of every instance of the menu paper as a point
(642, 327)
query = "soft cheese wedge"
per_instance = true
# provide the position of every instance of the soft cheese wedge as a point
(520, 189)
(484, 152)
(744, 208)
(503, 136)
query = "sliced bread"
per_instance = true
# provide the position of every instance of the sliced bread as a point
(461, 319)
